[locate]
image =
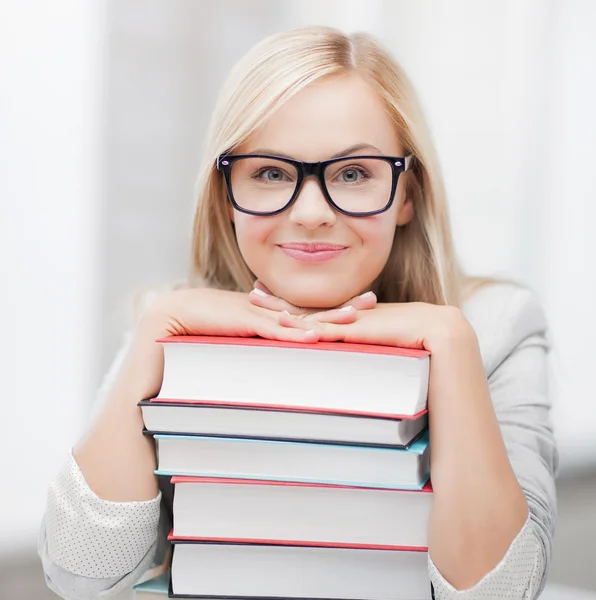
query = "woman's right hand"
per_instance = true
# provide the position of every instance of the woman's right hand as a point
(205, 311)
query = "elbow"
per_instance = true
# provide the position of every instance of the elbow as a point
(73, 586)
(70, 586)
(521, 573)
(75, 590)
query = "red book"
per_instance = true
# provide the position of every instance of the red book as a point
(187, 417)
(273, 512)
(338, 378)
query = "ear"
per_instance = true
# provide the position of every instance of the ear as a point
(406, 212)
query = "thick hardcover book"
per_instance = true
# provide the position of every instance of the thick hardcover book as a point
(280, 460)
(243, 569)
(269, 510)
(342, 377)
(187, 417)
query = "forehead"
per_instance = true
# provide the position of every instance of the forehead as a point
(328, 115)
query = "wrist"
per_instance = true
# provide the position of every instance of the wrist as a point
(449, 330)
(172, 312)
(141, 374)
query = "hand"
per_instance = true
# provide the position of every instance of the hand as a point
(217, 312)
(345, 313)
(408, 325)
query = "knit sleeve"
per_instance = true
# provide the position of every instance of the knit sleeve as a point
(95, 548)
(519, 376)
(517, 575)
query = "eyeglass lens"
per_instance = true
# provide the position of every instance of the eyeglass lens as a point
(265, 185)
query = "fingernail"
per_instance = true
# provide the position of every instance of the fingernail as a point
(259, 292)
(285, 312)
(366, 295)
(347, 308)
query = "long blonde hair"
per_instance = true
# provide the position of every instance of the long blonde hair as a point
(422, 265)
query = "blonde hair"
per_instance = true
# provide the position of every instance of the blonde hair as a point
(422, 265)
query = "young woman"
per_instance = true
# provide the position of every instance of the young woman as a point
(322, 216)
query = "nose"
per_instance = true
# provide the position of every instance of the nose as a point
(311, 209)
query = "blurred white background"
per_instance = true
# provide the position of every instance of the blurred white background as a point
(103, 107)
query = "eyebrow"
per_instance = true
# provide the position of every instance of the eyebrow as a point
(347, 152)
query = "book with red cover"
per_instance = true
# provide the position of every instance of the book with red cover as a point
(299, 512)
(359, 379)
(196, 417)
(278, 570)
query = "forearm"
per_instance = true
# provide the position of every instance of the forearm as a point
(479, 506)
(116, 459)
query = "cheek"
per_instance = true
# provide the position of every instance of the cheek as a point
(376, 238)
(252, 235)
(376, 233)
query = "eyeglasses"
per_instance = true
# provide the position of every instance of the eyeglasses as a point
(357, 186)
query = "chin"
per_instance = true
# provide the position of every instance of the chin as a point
(322, 297)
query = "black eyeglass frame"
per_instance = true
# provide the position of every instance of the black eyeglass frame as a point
(399, 164)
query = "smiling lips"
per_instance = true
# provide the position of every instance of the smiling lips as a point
(314, 252)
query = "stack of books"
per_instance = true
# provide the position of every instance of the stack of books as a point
(299, 470)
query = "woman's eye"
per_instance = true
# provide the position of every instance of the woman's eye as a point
(352, 175)
(271, 174)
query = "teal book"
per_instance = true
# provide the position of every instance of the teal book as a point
(306, 462)
(153, 589)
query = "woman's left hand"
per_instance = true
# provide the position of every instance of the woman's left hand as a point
(408, 325)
